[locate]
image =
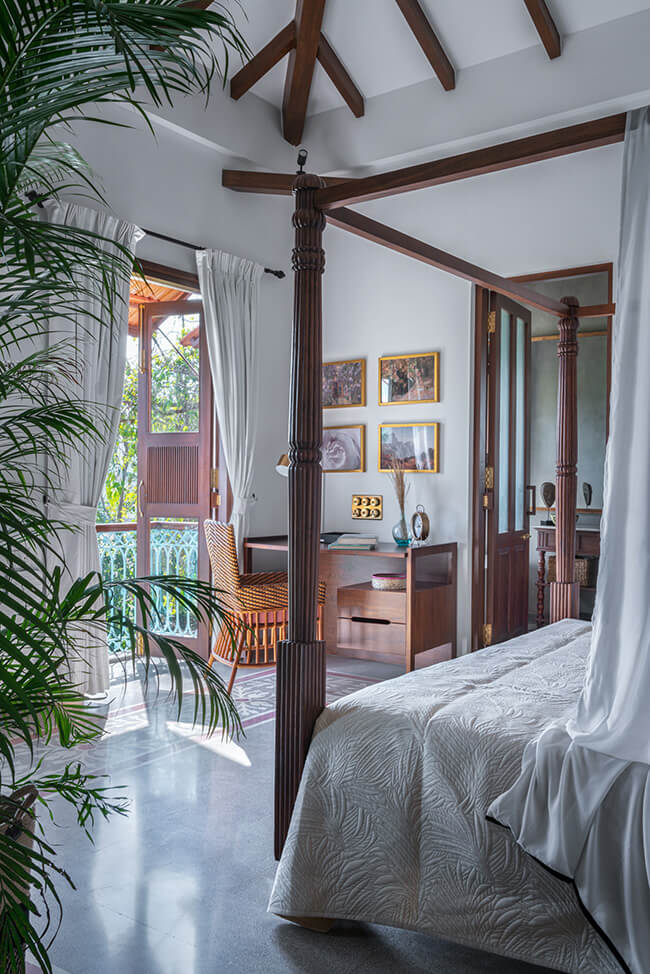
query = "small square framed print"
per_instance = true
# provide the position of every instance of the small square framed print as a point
(344, 449)
(409, 378)
(413, 445)
(344, 383)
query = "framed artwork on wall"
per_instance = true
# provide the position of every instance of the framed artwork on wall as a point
(409, 378)
(414, 445)
(344, 383)
(344, 449)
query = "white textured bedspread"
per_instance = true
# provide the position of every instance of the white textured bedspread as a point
(390, 826)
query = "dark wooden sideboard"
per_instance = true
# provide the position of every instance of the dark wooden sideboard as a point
(390, 627)
(587, 546)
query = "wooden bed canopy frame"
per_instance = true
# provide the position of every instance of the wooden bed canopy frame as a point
(301, 658)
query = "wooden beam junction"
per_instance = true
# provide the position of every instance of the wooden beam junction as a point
(300, 68)
(506, 155)
(379, 233)
(266, 183)
(429, 42)
(545, 26)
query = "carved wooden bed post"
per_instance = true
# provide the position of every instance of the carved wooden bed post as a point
(565, 592)
(301, 658)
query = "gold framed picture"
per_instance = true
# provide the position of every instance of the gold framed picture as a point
(409, 378)
(344, 383)
(414, 445)
(344, 449)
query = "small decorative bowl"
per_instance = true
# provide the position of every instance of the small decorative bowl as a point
(389, 582)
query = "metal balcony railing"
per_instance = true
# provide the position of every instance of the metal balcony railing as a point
(174, 551)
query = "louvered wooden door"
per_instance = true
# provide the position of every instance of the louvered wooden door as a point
(174, 454)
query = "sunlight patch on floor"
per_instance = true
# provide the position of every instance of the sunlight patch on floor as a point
(224, 747)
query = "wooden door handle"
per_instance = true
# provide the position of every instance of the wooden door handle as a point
(140, 486)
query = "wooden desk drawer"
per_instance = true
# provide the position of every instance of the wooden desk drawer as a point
(370, 639)
(364, 601)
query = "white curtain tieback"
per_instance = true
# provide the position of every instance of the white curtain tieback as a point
(80, 515)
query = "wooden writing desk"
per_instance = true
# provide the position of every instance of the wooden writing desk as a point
(391, 627)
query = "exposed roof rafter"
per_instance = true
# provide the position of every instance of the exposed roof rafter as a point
(545, 26)
(428, 41)
(267, 58)
(340, 77)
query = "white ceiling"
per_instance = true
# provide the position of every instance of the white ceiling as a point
(381, 54)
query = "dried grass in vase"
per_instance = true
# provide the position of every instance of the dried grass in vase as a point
(401, 487)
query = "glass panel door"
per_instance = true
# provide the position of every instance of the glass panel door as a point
(507, 455)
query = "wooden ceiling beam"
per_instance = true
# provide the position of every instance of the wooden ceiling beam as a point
(266, 183)
(507, 155)
(428, 41)
(545, 26)
(340, 77)
(263, 61)
(300, 68)
(402, 243)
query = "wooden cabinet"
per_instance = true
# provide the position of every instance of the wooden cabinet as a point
(373, 624)
(587, 546)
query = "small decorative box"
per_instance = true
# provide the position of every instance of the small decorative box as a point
(389, 582)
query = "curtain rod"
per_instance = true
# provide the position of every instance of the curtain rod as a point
(192, 246)
(35, 198)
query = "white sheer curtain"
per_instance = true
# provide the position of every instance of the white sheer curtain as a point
(230, 291)
(582, 802)
(100, 350)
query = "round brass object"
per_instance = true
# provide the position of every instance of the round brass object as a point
(420, 524)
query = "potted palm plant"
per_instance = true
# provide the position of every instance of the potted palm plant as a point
(57, 58)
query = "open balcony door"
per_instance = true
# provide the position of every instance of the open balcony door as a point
(174, 454)
(510, 499)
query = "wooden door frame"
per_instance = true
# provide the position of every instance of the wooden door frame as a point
(201, 440)
(478, 521)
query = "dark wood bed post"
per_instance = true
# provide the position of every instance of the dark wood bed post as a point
(301, 657)
(565, 592)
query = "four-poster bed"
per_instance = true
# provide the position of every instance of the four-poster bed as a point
(301, 658)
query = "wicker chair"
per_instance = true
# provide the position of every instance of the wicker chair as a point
(257, 606)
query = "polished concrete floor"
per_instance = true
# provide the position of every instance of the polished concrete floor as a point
(181, 885)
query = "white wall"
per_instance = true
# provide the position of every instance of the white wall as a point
(173, 185)
(378, 303)
(555, 214)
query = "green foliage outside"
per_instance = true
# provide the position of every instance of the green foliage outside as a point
(174, 409)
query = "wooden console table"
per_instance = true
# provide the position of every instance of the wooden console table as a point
(587, 546)
(391, 627)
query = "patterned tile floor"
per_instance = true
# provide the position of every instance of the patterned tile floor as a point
(181, 885)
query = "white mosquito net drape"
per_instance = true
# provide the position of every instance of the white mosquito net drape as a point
(582, 802)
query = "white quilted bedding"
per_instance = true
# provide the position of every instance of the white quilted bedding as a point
(390, 827)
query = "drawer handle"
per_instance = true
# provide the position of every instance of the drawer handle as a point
(375, 622)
